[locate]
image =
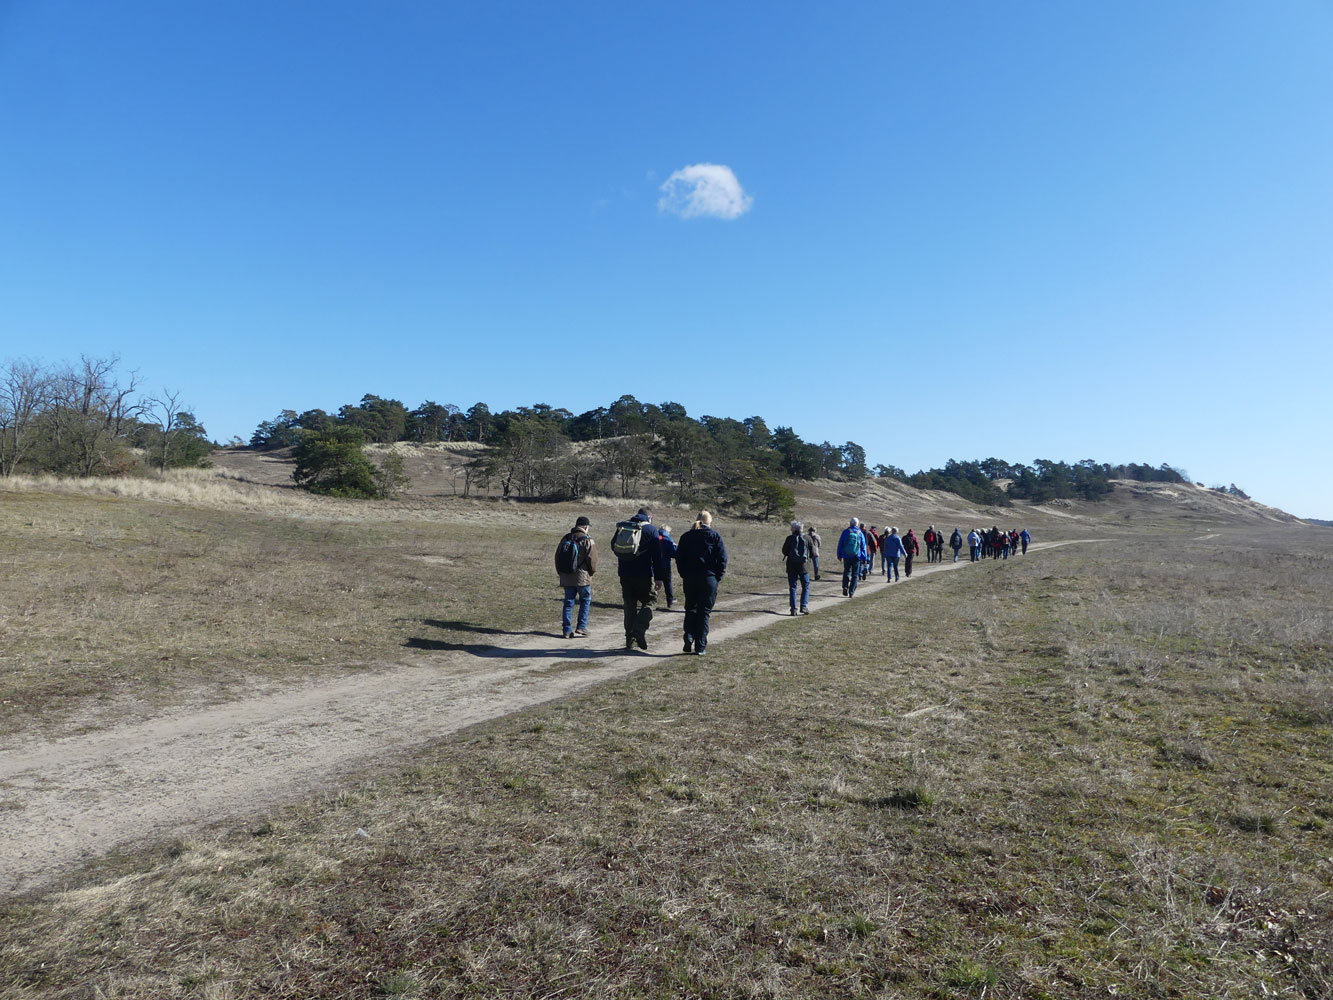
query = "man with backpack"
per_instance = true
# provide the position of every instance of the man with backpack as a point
(576, 562)
(911, 549)
(851, 550)
(638, 548)
(1025, 537)
(796, 552)
(956, 542)
(701, 558)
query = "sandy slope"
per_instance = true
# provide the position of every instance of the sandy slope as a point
(74, 799)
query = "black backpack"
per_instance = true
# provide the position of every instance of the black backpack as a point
(567, 555)
(799, 553)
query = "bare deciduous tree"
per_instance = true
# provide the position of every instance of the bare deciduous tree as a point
(25, 393)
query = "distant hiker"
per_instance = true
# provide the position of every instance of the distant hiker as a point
(701, 558)
(994, 541)
(812, 540)
(576, 562)
(668, 554)
(974, 544)
(956, 543)
(796, 552)
(929, 538)
(1024, 537)
(894, 549)
(868, 556)
(851, 550)
(938, 546)
(638, 546)
(911, 549)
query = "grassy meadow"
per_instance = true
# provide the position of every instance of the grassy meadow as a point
(114, 606)
(1100, 770)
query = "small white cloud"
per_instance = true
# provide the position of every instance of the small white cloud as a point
(704, 189)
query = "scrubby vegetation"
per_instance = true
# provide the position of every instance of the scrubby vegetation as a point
(88, 419)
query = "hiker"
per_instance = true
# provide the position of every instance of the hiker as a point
(701, 558)
(796, 551)
(939, 547)
(668, 554)
(638, 546)
(956, 543)
(851, 549)
(812, 542)
(868, 555)
(974, 544)
(576, 562)
(1024, 537)
(929, 539)
(911, 549)
(894, 549)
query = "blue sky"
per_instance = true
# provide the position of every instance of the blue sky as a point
(1027, 230)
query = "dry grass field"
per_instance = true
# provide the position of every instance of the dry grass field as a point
(1100, 770)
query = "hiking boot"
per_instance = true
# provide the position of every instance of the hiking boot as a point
(582, 633)
(844, 591)
(699, 651)
(629, 642)
(805, 611)
(569, 635)
(641, 641)
(793, 612)
(689, 646)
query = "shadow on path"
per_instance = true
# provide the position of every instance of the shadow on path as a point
(567, 652)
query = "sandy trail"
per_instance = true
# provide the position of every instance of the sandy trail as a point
(75, 799)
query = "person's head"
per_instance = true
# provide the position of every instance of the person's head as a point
(893, 531)
(665, 529)
(646, 513)
(705, 518)
(855, 523)
(796, 527)
(931, 528)
(583, 523)
(810, 528)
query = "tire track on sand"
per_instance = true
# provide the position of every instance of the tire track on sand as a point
(71, 800)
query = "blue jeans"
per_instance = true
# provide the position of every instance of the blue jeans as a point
(700, 596)
(584, 597)
(804, 580)
(892, 571)
(815, 560)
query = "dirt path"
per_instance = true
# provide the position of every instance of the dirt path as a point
(64, 802)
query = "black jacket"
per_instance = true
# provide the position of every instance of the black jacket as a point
(700, 552)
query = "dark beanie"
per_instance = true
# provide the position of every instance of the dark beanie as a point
(582, 522)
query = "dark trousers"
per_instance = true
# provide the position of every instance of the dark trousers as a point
(700, 595)
(667, 588)
(851, 574)
(639, 597)
(907, 564)
(815, 560)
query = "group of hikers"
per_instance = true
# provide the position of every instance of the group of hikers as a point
(645, 554)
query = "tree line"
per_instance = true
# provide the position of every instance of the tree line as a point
(87, 418)
(546, 452)
(552, 453)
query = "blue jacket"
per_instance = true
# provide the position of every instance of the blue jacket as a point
(701, 552)
(851, 544)
(648, 561)
(893, 547)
